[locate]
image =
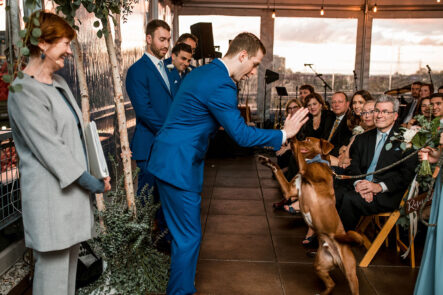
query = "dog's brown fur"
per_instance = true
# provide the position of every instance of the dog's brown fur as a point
(317, 199)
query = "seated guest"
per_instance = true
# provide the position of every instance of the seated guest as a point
(305, 90)
(423, 108)
(336, 130)
(426, 90)
(367, 123)
(318, 115)
(380, 192)
(357, 101)
(407, 111)
(437, 105)
(284, 154)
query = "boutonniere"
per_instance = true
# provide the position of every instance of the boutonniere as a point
(189, 69)
(170, 67)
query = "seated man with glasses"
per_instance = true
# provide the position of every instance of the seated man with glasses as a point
(380, 192)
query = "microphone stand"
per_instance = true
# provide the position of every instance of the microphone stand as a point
(430, 76)
(325, 84)
(355, 81)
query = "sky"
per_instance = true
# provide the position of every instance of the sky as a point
(398, 45)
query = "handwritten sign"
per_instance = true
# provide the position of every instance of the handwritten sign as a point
(414, 204)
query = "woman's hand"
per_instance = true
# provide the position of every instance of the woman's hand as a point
(429, 154)
(284, 148)
(107, 182)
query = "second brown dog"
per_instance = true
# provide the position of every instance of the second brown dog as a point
(313, 186)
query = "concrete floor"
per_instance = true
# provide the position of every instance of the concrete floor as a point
(248, 248)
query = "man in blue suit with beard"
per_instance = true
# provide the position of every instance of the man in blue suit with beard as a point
(151, 92)
(207, 98)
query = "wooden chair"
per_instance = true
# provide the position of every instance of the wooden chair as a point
(382, 236)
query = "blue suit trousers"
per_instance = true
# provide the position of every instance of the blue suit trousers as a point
(182, 213)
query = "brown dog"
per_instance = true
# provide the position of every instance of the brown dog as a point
(313, 186)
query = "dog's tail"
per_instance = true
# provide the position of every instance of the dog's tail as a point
(351, 237)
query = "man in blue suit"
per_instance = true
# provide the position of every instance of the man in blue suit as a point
(180, 58)
(151, 93)
(190, 40)
(206, 99)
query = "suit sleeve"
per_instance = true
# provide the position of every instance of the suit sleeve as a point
(223, 106)
(398, 179)
(37, 128)
(356, 152)
(137, 87)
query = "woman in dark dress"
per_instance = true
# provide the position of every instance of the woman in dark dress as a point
(317, 115)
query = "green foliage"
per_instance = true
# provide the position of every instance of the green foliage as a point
(134, 265)
(23, 51)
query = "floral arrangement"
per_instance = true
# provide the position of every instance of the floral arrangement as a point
(427, 133)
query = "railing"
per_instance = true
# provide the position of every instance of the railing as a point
(10, 203)
(10, 200)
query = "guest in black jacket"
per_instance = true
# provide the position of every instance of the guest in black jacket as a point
(336, 129)
(379, 192)
(318, 116)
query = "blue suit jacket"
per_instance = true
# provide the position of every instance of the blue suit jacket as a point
(206, 99)
(174, 77)
(151, 100)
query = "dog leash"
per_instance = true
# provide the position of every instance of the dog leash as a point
(340, 176)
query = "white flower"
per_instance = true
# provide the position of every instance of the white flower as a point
(409, 134)
(357, 130)
(170, 67)
(189, 69)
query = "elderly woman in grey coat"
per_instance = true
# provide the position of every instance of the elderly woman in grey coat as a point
(55, 182)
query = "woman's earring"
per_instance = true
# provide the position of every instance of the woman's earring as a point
(43, 55)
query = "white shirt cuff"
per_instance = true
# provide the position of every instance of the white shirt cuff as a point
(284, 137)
(384, 188)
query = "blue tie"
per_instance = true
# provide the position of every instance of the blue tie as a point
(163, 73)
(377, 152)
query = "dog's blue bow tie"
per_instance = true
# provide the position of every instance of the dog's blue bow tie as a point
(317, 159)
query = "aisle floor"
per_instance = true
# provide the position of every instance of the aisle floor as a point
(249, 248)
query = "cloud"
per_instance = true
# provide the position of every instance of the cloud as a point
(316, 31)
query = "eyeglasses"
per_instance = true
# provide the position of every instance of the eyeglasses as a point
(293, 108)
(384, 112)
(367, 113)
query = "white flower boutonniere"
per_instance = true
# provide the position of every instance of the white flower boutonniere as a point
(189, 69)
(170, 67)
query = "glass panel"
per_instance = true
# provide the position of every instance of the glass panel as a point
(401, 50)
(225, 28)
(328, 44)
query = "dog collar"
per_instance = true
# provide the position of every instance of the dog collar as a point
(317, 159)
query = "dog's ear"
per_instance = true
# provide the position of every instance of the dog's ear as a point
(326, 147)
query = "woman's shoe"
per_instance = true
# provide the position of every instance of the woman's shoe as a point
(280, 205)
(291, 209)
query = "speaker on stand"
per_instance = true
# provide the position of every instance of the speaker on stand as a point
(205, 47)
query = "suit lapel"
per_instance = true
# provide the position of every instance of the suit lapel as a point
(384, 153)
(156, 73)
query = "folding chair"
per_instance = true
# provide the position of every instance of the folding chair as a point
(385, 229)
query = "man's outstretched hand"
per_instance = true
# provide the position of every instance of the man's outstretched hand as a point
(295, 122)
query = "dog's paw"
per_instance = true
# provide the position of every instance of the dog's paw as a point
(264, 160)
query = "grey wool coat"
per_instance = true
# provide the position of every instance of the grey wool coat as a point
(57, 212)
